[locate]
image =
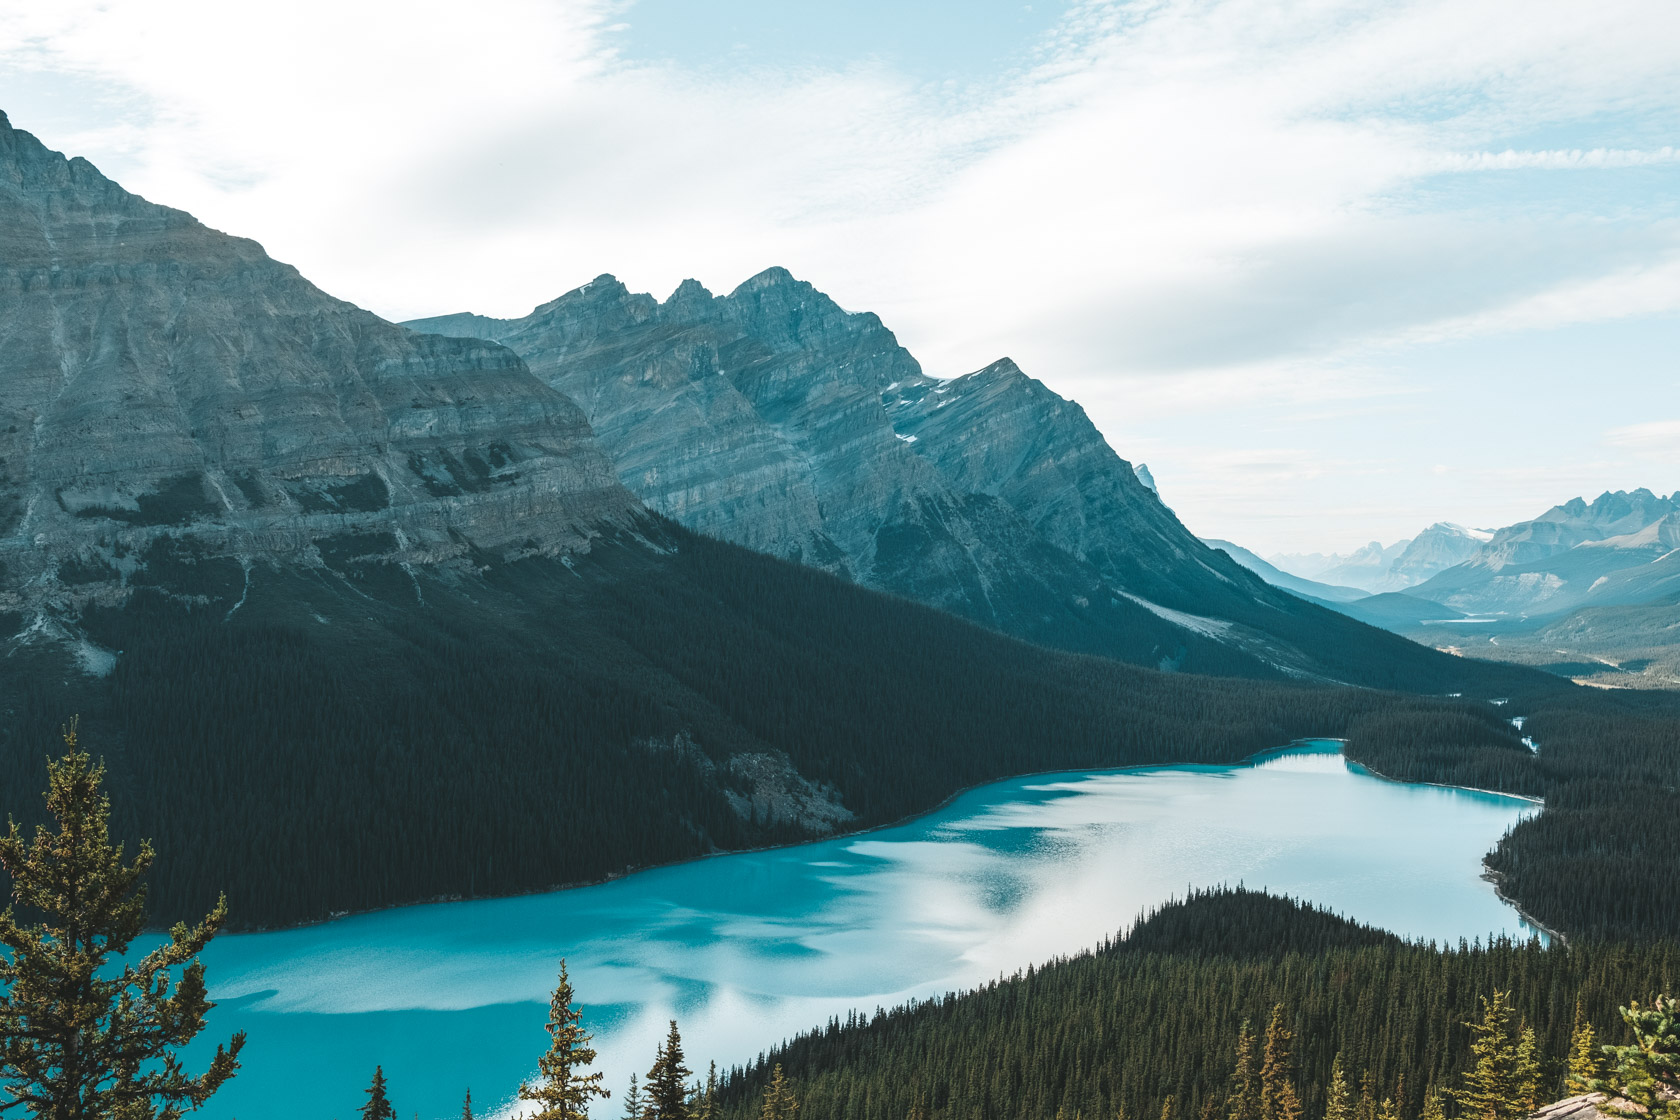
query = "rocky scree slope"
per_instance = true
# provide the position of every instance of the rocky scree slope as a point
(773, 418)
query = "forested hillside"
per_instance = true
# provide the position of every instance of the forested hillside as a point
(1147, 1026)
(1598, 861)
(360, 735)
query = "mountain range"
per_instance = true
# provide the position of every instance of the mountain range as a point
(359, 614)
(773, 418)
(1587, 589)
(1377, 568)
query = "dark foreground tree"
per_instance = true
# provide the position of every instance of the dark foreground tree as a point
(1495, 1085)
(779, 1101)
(564, 1091)
(667, 1081)
(79, 1041)
(378, 1106)
(1647, 1074)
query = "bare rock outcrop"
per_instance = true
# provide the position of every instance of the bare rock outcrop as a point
(165, 383)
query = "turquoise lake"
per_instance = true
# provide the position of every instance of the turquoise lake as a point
(746, 949)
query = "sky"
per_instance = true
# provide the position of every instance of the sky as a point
(1335, 269)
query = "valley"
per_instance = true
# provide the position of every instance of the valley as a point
(711, 643)
(745, 950)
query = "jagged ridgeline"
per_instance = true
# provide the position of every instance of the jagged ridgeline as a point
(1157, 1014)
(773, 418)
(363, 616)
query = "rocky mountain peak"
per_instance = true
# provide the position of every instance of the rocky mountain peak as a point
(1003, 368)
(691, 299)
(164, 384)
(771, 278)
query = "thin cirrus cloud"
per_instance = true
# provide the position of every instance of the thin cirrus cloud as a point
(1226, 226)
(1663, 434)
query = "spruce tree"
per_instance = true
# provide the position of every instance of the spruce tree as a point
(378, 1106)
(1647, 1073)
(1367, 1106)
(779, 1102)
(1433, 1107)
(466, 1107)
(705, 1105)
(1338, 1098)
(1492, 1088)
(635, 1108)
(1388, 1110)
(1586, 1065)
(79, 1041)
(1278, 1099)
(667, 1081)
(563, 1091)
(1525, 1072)
(1242, 1102)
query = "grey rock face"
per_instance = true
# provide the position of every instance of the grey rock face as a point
(1574, 523)
(1441, 546)
(162, 381)
(773, 418)
(1617, 549)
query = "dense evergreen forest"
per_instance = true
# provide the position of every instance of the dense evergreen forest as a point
(326, 746)
(357, 735)
(1597, 862)
(1156, 1015)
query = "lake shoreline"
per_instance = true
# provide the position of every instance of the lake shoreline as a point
(946, 802)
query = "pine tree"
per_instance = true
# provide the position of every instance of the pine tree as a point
(564, 1091)
(1388, 1110)
(1586, 1065)
(779, 1102)
(1367, 1107)
(705, 1104)
(78, 1042)
(466, 1107)
(1647, 1074)
(1242, 1102)
(378, 1106)
(1338, 1102)
(1525, 1072)
(635, 1108)
(1167, 1107)
(1278, 1099)
(1433, 1107)
(667, 1081)
(1491, 1086)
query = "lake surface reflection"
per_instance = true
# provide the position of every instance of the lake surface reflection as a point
(746, 949)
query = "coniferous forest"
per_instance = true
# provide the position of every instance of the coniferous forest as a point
(1149, 1024)
(309, 743)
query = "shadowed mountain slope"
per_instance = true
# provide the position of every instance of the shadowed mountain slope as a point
(773, 418)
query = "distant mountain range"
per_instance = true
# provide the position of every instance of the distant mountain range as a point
(1588, 589)
(1377, 568)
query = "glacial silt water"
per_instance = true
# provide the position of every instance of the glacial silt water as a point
(746, 949)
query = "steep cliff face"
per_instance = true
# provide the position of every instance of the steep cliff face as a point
(759, 417)
(773, 418)
(164, 383)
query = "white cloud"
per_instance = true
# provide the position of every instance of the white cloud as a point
(1654, 434)
(1181, 207)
